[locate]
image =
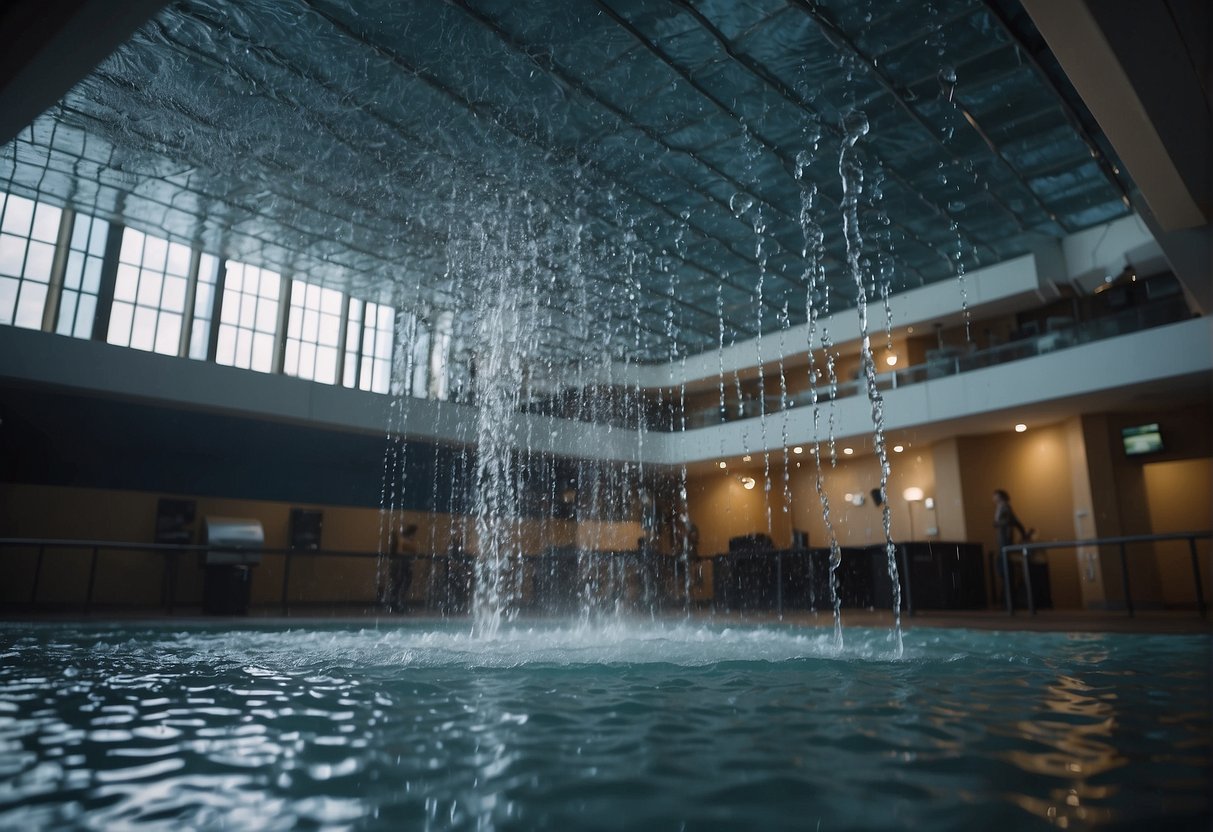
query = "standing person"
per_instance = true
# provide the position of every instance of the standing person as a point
(1005, 521)
(404, 551)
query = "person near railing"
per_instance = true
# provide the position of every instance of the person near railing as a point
(1006, 522)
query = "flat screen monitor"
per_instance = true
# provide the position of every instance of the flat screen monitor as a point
(1142, 439)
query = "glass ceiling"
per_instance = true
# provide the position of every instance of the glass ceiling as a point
(662, 161)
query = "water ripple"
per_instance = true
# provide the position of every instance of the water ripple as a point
(623, 727)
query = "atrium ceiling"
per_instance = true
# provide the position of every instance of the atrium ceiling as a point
(658, 160)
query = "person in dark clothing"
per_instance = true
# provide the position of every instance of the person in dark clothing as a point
(403, 552)
(1005, 521)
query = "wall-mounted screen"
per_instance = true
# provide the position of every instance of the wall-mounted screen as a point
(1142, 439)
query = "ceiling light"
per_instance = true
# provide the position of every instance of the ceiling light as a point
(848, 451)
(746, 458)
(798, 450)
(748, 483)
(913, 494)
(898, 448)
(1021, 427)
(723, 464)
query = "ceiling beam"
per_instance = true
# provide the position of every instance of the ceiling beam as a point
(49, 45)
(1129, 63)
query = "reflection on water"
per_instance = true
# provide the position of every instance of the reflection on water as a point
(615, 728)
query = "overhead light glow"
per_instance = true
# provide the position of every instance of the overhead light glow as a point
(913, 494)
(1021, 427)
(848, 451)
(748, 483)
(723, 464)
(891, 360)
(898, 448)
(798, 450)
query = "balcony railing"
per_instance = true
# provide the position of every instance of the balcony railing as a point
(1061, 333)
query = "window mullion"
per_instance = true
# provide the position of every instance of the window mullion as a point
(54, 289)
(187, 315)
(284, 311)
(109, 274)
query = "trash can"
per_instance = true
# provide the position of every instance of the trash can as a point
(228, 573)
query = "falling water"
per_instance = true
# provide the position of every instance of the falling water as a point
(814, 256)
(850, 169)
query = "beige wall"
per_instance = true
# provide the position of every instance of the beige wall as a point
(1034, 468)
(722, 508)
(135, 578)
(1179, 498)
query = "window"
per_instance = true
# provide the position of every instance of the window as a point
(440, 357)
(28, 232)
(82, 277)
(249, 317)
(149, 294)
(419, 357)
(368, 346)
(204, 306)
(313, 331)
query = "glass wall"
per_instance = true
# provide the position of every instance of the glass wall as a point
(28, 233)
(158, 295)
(248, 322)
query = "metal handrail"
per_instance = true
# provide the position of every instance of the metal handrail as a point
(1025, 550)
(168, 583)
(168, 590)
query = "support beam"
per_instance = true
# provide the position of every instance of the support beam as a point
(1134, 69)
(49, 45)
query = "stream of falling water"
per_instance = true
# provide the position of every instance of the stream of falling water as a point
(850, 169)
(500, 267)
(814, 257)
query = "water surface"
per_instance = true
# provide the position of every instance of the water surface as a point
(628, 726)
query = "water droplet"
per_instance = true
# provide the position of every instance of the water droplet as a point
(803, 159)
(956, 205)
(740, 203)
(855, 126)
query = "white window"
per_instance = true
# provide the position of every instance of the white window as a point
(204, 306)
(149, 293)
(248, 320)
(82, 277)
(419, 358)
(313, 331)
(368, 350)
(440, 357)
(28, 233)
